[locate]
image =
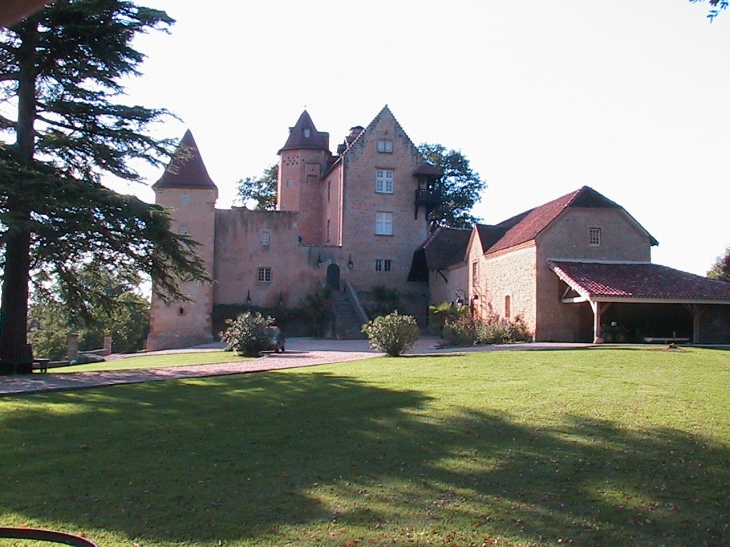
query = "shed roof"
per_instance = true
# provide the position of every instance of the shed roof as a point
(602, 281)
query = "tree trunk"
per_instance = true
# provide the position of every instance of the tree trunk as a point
(16, 355)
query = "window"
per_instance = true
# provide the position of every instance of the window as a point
(265, 237)
(307, 132)
(475, 273)
(385, 146)
(384, 181)
(382, 265)
(184, 230)
(265, 275)
(594, 237)
(507, 307)
(184, 199)
(384, 224)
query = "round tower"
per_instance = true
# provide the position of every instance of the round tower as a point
(304, 158)
(188, 193)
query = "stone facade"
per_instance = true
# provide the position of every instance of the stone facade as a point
(621, 240)
(507, 271)
(341, 218)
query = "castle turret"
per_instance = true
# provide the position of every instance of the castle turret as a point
(303, 159)
(187, 191)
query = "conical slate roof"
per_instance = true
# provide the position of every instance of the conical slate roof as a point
(305, 135)
(186, 168)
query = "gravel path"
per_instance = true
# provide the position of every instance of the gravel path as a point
(301, 352)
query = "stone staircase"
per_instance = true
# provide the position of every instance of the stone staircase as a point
(347, 322)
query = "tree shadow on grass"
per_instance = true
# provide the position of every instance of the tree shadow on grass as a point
(267, 456)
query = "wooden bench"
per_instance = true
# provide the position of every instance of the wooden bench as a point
(41, 365)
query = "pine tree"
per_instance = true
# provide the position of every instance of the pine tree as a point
(62, 67)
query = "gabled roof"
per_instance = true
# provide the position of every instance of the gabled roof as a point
(385, 111)
(446, 247)
(600, 281)
(305, 135)
(526, 226)
(443, 248)
(489, 235)
(186, 168)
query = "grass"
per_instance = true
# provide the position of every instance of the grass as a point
(600, 447)
(156, 361)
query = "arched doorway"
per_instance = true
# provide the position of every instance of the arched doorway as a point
(333, 276)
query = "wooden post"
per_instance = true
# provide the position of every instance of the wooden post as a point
(697, 311)
(597, 311)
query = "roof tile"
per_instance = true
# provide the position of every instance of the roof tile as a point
(639, 280)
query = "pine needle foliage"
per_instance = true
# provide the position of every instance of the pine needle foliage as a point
(63, 126)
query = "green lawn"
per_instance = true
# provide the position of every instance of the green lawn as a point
(156, 361)
(599, 447)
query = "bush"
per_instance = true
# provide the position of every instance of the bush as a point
(462, 331)
(519, 331)
(247, 334)
(443, 313)
(318, 309)
(394, 334)
(465, 331)
(382, 301)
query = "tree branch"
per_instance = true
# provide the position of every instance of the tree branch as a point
(6, 77)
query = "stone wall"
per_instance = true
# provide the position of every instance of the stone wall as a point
(622, 240)
(187, 323)
(509, 285)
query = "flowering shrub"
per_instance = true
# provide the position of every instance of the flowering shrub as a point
(465, 331)
(247, 334)
(394, 334)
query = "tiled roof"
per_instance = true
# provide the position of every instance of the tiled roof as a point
(428, 169)
(186, 168)
(638, 281)
(299, 138)
(526, 226)
(489, 235)
(445, 247)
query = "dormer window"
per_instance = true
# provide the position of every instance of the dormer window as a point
(307, 132)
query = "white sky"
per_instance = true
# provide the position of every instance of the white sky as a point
(543, 97)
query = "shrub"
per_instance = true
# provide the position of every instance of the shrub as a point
(394, 334)
(444, 313)
(318, 309)
(494, 330)
(462, 331)
(384, 300)
(519, 331)
(465, 331)
(247, 334)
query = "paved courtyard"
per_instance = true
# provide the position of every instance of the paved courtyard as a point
(300, 352)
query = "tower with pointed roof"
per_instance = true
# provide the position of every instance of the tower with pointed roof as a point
(350, 220)
(188, 192)
(302, 160)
